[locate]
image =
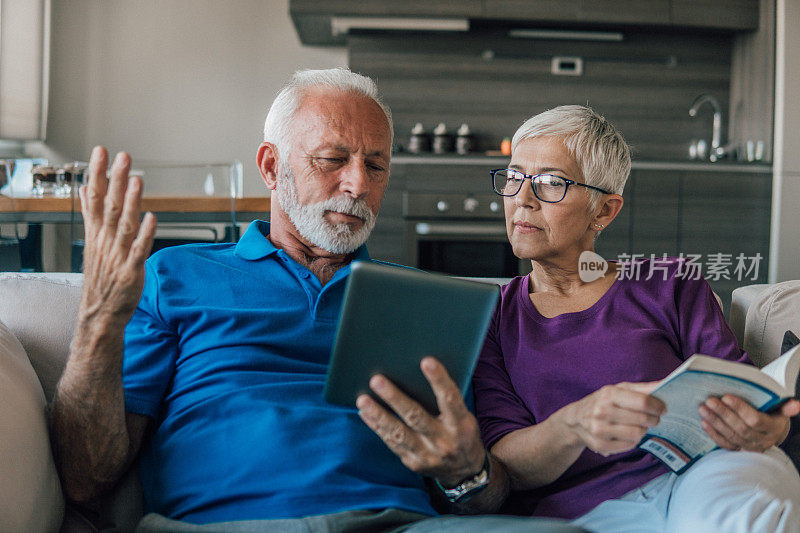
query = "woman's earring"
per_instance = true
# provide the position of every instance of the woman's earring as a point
(599, 226)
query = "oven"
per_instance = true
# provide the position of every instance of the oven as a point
(459, 234)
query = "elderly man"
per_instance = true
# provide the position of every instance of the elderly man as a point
(219, 391)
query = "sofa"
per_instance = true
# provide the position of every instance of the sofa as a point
(39, 311)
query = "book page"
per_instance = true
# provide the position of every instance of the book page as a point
(784, 369)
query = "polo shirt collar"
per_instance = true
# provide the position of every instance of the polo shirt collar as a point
(255, 245)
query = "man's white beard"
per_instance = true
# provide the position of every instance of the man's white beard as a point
(310, 220)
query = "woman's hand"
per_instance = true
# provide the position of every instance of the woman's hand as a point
(736, 425)
(615, 418)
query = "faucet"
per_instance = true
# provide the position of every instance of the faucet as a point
(717, 150)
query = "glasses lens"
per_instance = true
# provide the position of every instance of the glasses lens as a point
(507, 182)
(550, 188)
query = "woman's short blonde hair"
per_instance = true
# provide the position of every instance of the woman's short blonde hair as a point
(599, 149)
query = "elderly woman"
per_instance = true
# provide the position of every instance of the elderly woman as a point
(562, 386)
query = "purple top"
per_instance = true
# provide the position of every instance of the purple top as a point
(531, 366)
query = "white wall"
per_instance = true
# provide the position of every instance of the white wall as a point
(785, 238)
(170, 80)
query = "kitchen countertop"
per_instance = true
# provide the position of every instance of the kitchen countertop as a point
(167, 208)
(702, 166)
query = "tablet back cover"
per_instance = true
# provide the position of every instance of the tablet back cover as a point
(393, 317)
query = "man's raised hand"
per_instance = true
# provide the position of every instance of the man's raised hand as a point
(117, 244)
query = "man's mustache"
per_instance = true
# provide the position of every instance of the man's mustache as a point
(348, 206)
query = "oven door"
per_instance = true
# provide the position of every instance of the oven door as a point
(474, 248)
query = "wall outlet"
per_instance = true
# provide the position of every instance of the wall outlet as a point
(566, 66)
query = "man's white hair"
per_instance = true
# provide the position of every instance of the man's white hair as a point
(277, 126)
(599, 149)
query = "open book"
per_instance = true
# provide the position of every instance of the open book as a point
(678, 440)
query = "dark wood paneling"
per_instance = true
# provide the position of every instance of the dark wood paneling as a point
(656, 211)
(543, 10)
(625, 11)
(384, 8)
(727, 214)
(387, 241)
(312, 17)
(752, 83)
(644, 84)
(729, 14)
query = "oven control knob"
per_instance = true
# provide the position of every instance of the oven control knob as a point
(494, 206)
(442, 206)
(470, 205)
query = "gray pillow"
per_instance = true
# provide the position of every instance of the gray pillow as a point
(790, 340)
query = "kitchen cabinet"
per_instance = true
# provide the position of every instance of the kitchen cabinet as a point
(655, 212)
(727, 214)
(721, 14)
(722, 218)
(384, 8)
(542, 10)
(313, 19)
(653, 12)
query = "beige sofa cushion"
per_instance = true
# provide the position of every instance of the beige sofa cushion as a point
(41, 310)
(29, 488)
(770, 314)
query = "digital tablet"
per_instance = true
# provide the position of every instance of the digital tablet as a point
(393, 317)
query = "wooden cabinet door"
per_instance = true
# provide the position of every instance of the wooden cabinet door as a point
(652, 12)
(655, 212)
(725, 218)
(532, 10)
(386, 8)
(724, 14)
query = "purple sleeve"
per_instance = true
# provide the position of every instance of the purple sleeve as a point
(498, 407)
(701, 323)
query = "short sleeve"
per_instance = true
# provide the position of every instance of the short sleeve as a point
(702, 325)
(151, 349)
(497, 406)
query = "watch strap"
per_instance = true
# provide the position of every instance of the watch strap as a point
(469, 487)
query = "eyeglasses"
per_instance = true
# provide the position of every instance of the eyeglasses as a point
(546, 187)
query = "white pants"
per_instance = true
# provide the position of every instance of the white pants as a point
(726, 492)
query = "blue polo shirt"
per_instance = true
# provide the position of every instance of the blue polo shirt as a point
(228, 352)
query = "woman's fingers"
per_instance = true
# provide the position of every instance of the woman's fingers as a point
(636, 397)
(734, 424)
(616, 417)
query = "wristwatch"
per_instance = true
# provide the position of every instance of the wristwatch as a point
(470, 486)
